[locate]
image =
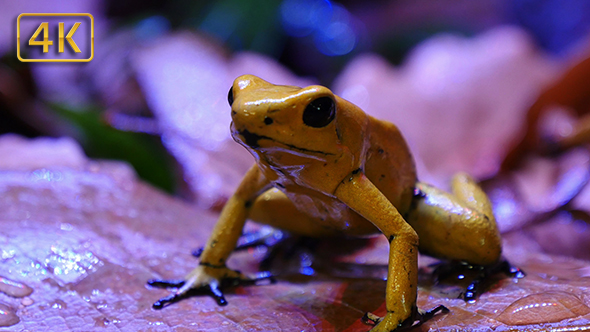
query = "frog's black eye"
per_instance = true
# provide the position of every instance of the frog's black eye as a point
(319, 112)
(230, 96)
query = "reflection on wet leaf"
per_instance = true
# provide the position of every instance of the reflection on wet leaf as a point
(14, 288)
(547, 307)
(8, 316)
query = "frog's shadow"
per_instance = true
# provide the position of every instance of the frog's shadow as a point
(298, 259)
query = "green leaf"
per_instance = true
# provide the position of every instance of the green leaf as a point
(99, 140)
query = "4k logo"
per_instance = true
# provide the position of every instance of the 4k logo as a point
(40, 48)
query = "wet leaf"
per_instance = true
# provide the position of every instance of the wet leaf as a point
(86, 236)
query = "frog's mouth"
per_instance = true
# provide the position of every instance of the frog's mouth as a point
(251, 140)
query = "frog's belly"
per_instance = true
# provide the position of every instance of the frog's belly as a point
(309, 213)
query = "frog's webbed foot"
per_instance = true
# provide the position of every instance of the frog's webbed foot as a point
(482, 274)
(503, 266)
(212, 290)
(201, 283)
(417, 318)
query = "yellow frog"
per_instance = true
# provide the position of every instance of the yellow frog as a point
(325, 168)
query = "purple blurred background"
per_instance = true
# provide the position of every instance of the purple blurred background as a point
(154, 94)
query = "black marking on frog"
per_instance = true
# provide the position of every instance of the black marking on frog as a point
(251, 139)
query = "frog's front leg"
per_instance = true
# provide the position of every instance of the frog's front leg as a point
(362, 196)
(212, 272)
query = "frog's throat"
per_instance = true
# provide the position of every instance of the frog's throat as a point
(251, 140)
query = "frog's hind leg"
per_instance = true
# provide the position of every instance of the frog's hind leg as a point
(457, 226)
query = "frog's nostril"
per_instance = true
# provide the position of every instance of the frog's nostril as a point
(268, 120)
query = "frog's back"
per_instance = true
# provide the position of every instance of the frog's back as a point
(389, 163)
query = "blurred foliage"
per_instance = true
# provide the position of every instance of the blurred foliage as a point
(144, 152)
(255, 25)
(240, 24)
(395, 46)
(252, 25)
(555, 24)
(9, 123)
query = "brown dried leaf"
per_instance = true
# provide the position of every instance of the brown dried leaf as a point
(458, 101)
(570, 93)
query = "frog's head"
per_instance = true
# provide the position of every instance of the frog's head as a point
(268, 117)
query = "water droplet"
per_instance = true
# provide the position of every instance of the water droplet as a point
(66, 227)
(13, 288)
(7, 254)
(548, 307)
(101, 322)
(27, 301)
(59, 304)
(8, 316)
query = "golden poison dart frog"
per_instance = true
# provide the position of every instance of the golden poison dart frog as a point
(325, 168)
